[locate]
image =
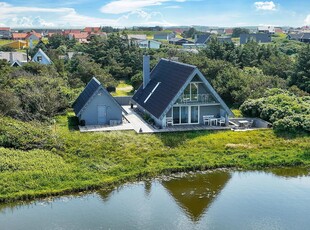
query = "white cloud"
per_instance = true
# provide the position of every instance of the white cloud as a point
(307, 20)
(16, 16)
(265, 6)
(124, 6)
(173, 7)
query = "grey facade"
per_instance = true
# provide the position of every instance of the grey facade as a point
(260, 38)
(5, 34)
(95, 106)
(164, 36)
(180, 42)
(179, 92)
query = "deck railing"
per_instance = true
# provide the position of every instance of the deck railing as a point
(196, 99)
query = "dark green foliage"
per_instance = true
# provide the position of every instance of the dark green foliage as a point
(6, 49)
(293, 124)
(26, 135)
(287, 111)
(82, 69)
(136, 80)
(9, 103)
(237, 31)
(301, 77)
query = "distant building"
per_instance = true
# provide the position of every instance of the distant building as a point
(19, 44)
(136, 36)
(224, 39)
(229, 31)
(260, 38)
(42, 58)
(92, 29)
(96, 106)
(150, 44)
(266, 29)
(164, 36)
(202, 39)
(14, 57)
(19, 36)
(180, 41)
(5, 33)
(79, 37)
(302, 37)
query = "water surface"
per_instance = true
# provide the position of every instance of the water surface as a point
(277, 199)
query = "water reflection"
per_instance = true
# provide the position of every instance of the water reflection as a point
(272, 199)
(195, 193)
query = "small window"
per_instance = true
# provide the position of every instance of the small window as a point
(39, 58)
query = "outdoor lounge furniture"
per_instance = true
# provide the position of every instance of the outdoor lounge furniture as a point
(243, 124)
(250, 124)
(207, 119)
(169, 121)
(221, 121)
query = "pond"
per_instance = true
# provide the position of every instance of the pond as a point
(221, 199)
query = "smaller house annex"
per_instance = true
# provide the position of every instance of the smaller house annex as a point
(95, 106)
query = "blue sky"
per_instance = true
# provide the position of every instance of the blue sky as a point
(125, 13)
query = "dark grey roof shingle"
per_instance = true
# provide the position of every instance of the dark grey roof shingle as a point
(172, 76)
(202, 39)
(87, 93)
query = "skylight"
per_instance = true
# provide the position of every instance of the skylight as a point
(151, 92)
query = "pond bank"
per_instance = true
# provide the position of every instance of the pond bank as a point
(86, 161)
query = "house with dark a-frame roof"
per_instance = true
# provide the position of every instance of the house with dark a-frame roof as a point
(174, 93)
(96, 106)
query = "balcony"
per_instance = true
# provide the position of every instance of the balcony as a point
(196, 99)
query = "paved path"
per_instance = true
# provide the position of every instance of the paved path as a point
(138, 124)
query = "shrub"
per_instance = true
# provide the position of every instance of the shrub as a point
(26, 135)
(294, 124)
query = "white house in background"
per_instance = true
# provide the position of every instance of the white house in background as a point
(42, 58)
(150, 44)
(14, 58)
(266, 29)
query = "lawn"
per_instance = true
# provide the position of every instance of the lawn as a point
(67, 160)
(4, 42)
(123, 89)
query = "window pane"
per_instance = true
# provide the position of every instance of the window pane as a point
(187, 92)
(184, 115)
(194, 114)
(194, 91)
(176, 115)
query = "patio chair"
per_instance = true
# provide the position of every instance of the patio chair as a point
(221, 121)
(207, 119)
(250, 125)
(169, 121)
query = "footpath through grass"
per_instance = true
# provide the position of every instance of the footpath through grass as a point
(69, 161)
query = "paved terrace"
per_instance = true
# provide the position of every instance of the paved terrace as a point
(133, 121)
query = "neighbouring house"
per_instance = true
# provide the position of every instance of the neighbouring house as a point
(42, 58)
(137, 37)
(150, 44)
(164, 36)
(18, 44)
(224, 39)
(180, 41)
(96, 106)
(175, 93)
(278, 30)
(34, 36)
(19, 36)
(305, 38)
(200, 42)
(79, 37)
(5, 33)
(266, 29)
(14, 58)
(92, 29)
(294, 36)
(260, 38)
(229, 31)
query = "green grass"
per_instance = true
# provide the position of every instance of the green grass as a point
(4, 42)
(83, 161)
(123, 89)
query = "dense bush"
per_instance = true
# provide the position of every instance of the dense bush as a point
(287, 111)
(26, 135)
